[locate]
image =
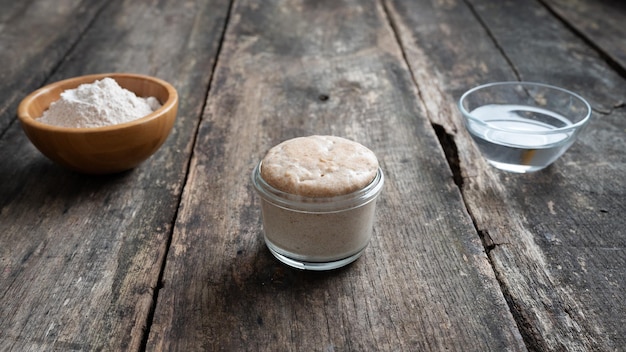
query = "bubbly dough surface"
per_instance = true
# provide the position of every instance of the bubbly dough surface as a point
(319, 166)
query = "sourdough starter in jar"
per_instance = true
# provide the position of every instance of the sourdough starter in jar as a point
(318, 200)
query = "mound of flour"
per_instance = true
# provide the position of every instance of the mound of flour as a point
(97, 104)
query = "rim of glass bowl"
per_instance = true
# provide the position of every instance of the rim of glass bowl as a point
(573, 126)
(300, 203)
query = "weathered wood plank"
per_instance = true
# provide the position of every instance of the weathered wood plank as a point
(600, 22)
(557, 237)
(81, 256)
(35, 35)
(326, 67)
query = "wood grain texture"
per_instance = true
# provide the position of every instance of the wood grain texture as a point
(600, 22)
(34, 37)
(84, 254)
(464, 257)
(556, 237)
(294, 68)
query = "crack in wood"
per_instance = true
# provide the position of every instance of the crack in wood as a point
(493, 38)
(446, 140)
(488, 243)
(160, 284)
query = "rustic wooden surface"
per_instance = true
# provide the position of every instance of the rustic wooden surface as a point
(33, 44)
(81, 256)
(293, 70)
(600, 23)
(170, 256)
(556, 238)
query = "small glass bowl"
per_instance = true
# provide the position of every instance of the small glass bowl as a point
(523, 126)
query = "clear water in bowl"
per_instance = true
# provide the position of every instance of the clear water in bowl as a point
(534, 147)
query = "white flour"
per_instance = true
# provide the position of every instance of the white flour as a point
(98, 104)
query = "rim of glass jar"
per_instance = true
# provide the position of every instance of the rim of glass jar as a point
(300, 203)
(568, 128)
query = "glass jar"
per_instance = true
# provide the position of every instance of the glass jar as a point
(317, 233)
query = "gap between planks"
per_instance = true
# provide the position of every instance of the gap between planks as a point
(449, 146)
(159, 285)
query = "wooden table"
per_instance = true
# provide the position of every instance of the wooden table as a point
(170, 255)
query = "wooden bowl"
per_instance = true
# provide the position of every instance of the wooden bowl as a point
(101, 150)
